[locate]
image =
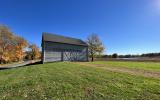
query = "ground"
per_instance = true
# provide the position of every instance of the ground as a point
(84, 80)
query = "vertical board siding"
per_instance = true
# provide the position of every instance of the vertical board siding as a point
(64, 52)
(53, 56)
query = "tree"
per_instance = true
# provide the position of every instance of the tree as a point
(34, 52)
(100, 49)
(6, 44)
(115, 55)
(11, 46)
(95, 45)
(21, 43)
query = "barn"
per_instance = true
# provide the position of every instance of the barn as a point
(61, 48)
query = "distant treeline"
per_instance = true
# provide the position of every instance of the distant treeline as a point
(115, 55)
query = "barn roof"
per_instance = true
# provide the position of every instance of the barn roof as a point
(62, 39)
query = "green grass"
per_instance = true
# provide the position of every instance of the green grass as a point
(150, 66)
(66, 80)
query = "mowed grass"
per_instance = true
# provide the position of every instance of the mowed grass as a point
(67, 80)
(150, 66)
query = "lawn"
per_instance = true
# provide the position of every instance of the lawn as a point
(69, 80)
(150, 66)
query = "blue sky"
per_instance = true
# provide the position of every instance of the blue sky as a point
(125, 26)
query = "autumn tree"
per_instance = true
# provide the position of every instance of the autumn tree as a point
(11, 46)
(34, 52)
(6, 43)
(21, 43)
(95, 45)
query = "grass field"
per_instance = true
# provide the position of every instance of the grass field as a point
(151, 66)
(87, 80)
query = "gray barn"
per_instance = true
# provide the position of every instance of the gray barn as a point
(61, 48)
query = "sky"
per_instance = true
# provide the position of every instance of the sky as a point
(124, 26)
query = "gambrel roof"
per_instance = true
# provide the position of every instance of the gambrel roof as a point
(62, 39)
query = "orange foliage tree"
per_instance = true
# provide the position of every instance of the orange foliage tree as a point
(19, 48)
(11, 46)
(34, 52)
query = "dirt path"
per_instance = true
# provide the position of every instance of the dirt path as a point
(19, 64)
(140, 72)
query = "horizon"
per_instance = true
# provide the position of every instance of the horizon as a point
(125, 27)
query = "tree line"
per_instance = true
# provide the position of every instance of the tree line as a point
(115, 55)
(14, 48)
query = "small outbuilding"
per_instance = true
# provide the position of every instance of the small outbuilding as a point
(61, 48)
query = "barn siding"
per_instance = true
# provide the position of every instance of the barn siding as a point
(64, 52)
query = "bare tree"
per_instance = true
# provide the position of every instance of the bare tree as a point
(95, 45)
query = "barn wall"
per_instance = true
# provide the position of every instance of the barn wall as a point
(64, 52)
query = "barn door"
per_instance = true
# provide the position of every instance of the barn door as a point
(66, 56)
(70, 56)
